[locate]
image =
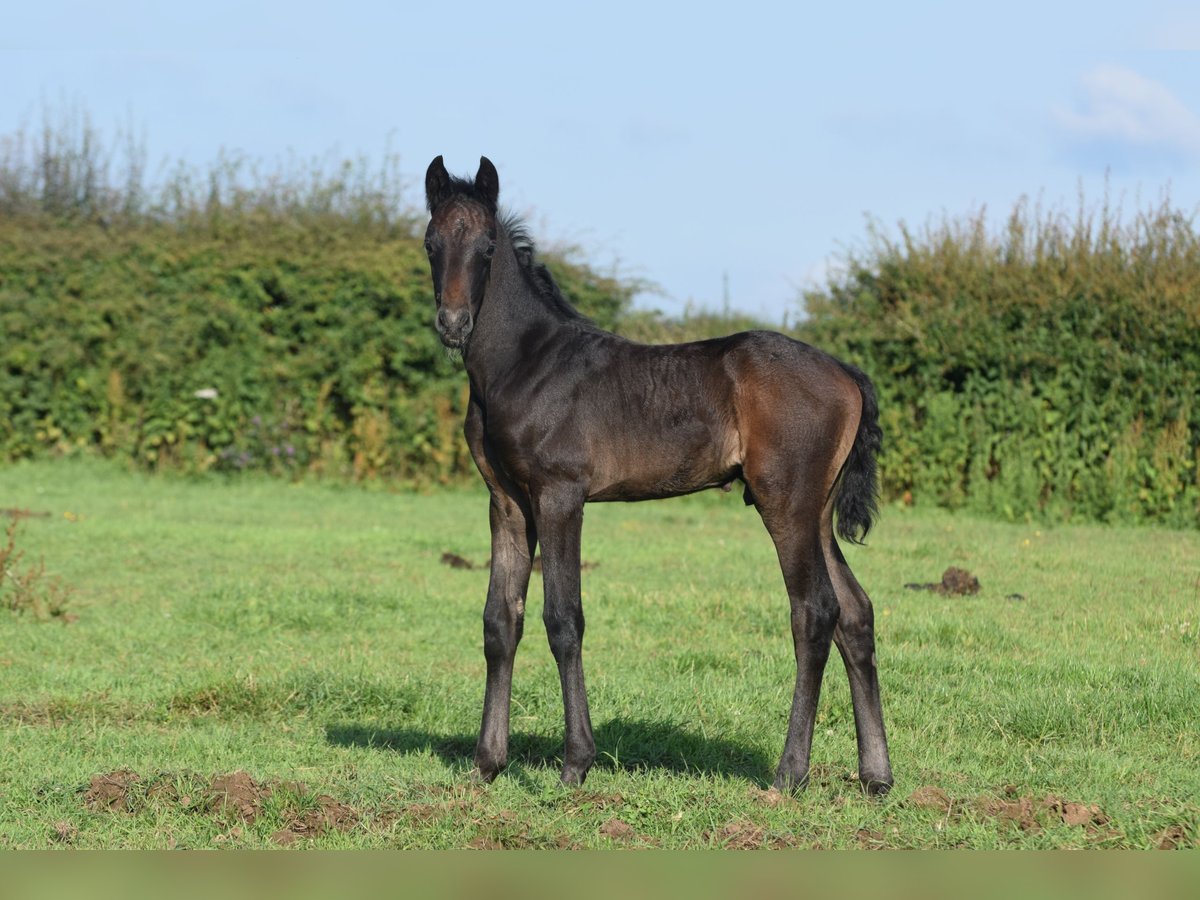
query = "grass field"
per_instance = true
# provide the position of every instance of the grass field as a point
(255, 664)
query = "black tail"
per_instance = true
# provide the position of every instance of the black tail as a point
(858, 493)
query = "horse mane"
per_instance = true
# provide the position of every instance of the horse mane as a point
(536, 274)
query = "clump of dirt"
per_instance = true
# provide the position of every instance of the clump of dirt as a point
(487, 843)
(234, 798)
(1025, 811)
(618, 830)
(111, 792)
(868, 839)
(504, 831)
(328, 814)
(930, 797)
(772, 796)
(1031, 815)
(24, 513)
(1171, 838)
(742, 835)
(237, 795)
(955, 583)
(454, 561)
(1021, 811)
(621, 832)
(1087, 815)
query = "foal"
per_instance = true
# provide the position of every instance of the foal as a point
(562, 413)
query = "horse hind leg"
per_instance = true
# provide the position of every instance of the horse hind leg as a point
(793, 520)
(855, 639)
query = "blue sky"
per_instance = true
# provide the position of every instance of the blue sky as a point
(688, 144)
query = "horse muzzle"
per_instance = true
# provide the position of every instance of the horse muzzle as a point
(454, 327)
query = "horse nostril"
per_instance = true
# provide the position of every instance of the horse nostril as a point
(453, 320)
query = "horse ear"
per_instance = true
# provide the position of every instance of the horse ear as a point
(437, 183)
(487, 182)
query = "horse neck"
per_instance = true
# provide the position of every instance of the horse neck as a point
(511, 311)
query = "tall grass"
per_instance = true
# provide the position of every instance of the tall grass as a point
(65, 169)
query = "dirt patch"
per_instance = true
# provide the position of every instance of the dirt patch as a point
(63, 833)
(237, 795)
(486, 843)
(24, 513)
(618, 830)
(422, 813)
(621, 832)
(742, 835)
(1026, 812)
(771, 797)
(868, 839)
(1031, 814)
(737, 836)
(454, 561)
(234, 799)
(1171, 838)
(930, 797)
(111, 792)
(1021, 811)
(326, 815)
(955, 583)
(504, 831)
(1086, 815)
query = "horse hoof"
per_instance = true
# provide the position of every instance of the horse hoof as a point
(483, 776)
(573, 776)
(787, 783)
(876, 785)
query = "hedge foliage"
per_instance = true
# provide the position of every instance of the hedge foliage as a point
(251, 341)
(1050, 370)
(280, 319)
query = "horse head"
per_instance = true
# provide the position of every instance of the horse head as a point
(460, 242)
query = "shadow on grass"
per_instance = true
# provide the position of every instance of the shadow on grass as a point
(620, 744)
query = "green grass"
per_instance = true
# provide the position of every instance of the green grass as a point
(310, 637)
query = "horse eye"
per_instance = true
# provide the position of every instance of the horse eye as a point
(429, 248)
(491, 248)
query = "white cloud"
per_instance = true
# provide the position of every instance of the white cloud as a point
(1119, 106)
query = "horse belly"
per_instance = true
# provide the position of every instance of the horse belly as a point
(662, 461)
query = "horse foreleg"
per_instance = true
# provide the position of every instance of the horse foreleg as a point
(559, 516)
(513, 542)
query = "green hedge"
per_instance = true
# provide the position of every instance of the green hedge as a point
(251, 342)
(1051, 370)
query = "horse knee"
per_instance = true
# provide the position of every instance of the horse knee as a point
(502, 626)
(564, 630)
